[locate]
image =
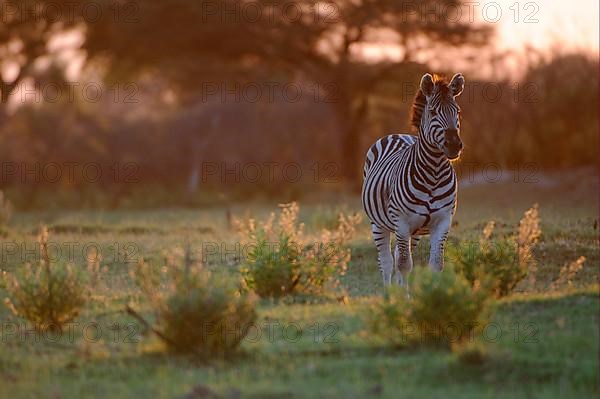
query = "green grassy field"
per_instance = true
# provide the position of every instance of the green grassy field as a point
(540, 344)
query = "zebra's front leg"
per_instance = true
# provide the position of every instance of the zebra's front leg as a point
(384, 253)
(439, 234)
(404, 262)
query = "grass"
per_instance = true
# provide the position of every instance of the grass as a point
(547, 347)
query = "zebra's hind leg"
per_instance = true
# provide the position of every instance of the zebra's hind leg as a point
(414, 241)
(403, 258)
(384, 253)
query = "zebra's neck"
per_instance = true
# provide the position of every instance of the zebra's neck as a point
(430, 163)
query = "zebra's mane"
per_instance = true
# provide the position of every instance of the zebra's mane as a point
(440, 84)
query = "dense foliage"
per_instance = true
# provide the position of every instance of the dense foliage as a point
(197, 311)
(283, 260)
(499, 263)
(443, 310)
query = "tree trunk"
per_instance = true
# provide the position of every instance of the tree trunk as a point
(350, 122)
(351, 162)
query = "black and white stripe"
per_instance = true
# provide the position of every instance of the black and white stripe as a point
(409, 183)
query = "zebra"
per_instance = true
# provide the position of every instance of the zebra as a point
(410, 186)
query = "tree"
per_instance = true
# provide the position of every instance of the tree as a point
(321, 41)
(26, 30)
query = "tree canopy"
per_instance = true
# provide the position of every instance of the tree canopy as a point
(324, 42)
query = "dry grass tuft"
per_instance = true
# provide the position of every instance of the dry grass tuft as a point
(528, 235)
(567, 273)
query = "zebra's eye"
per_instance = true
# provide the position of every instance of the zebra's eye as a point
(432, 112)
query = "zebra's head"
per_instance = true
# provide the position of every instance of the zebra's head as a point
(438, 113)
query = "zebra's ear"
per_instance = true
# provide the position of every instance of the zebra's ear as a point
(427, 84)
(457, 84)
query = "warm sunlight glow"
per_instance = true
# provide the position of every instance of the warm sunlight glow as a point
(547, 24)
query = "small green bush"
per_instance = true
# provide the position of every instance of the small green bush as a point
(444, 310)
(273, 271)
(207, 315)
(284, 261)
(49, 295)
(197, 312)
(500, 263)
(495, 266)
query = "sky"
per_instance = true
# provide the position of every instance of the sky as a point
(544, 23)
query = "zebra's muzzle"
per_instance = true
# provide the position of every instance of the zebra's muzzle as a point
(452, 144)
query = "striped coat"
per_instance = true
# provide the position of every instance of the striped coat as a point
(409, 184)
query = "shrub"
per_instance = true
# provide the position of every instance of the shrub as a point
(444, 310)
(499, 264)
(283, 260)
(49, 295)
(493, 265)
(208, 315)
(273, 272)
(197, 311)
